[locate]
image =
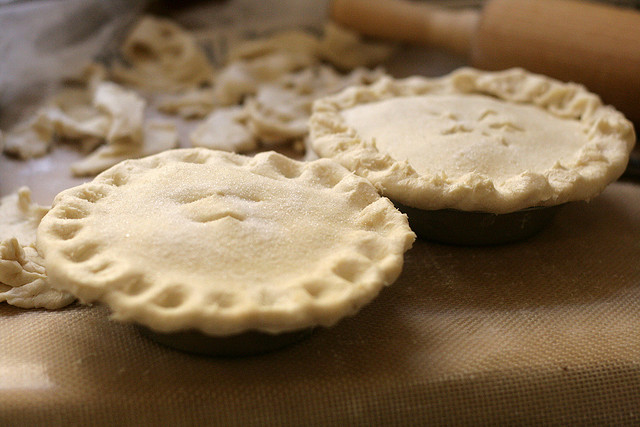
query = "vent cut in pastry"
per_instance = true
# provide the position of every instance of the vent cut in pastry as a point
(196, 239)
(494, 142)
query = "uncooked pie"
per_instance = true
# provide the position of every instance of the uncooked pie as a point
(196, 239)
(492, 142)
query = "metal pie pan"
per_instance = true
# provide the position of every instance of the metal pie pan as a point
(248, 343)
(455, 227)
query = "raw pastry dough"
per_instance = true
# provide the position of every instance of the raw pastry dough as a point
(79, 122)
(192, 104)
(262, 61)
(162, 57)
(127, 136)
(250, 64)
(276, 77)
(125, 110)
(294, 42)
(280, 111)
(19, 217)
(67, 115)
(243, 77)
(224, 130)
(71, 115)
(108, 112)
(346, 49)
(158, 136)
(223, 243)
(278, 114)
(475, 141)
(91, 76)
(23, 281)
(30, 138)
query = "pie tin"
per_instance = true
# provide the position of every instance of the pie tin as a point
(248, 343)
(464, 228)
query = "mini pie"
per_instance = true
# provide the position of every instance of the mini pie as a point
(223, 243)
(492, 142)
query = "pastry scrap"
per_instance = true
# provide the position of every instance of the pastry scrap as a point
(194, 103)
(29, 138)
(243, 77)
(279, 112)
(110, 118)
(107, 113)
(273, 79)
(223, 243)
(295, 42)
(23, 281)
(70, 115)
(162, 56)
(157, 136)
(252, 63)
(225, 129)
(20, 216)
(475, 141)
(127, 136)
(346, 49)
(124, 110)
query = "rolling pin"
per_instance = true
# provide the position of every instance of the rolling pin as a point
(593, 44)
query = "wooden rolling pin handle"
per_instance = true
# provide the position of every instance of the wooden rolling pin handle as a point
(595, 44)
(407, 21)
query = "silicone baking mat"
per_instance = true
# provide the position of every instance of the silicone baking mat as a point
(540, 332)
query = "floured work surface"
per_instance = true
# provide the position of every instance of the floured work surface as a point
(545, 330)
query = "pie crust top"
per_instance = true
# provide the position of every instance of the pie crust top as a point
(475, 141)
(223, 243)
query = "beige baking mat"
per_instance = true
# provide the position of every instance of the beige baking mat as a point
(545, 331)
